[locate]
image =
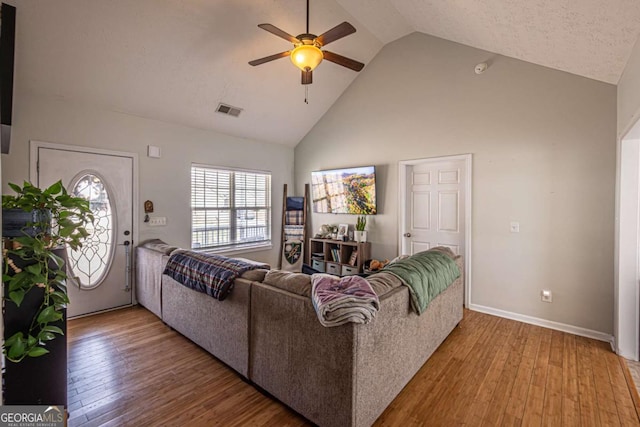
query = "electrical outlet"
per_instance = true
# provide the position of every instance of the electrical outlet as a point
(157, 221)
(546, 295)
(514, 227)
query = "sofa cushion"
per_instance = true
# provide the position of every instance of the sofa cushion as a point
(445, 250)
(256, 275)
(300, 284)
(296, 283)
(383, 282)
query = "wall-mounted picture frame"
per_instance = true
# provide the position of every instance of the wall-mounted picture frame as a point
(343, 230)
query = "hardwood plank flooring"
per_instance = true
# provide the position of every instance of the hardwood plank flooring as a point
(126, 368)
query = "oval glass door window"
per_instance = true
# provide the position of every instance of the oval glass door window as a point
(90, 264)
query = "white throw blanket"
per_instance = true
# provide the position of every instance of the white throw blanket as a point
(342, 300)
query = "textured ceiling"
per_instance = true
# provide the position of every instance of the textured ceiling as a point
(175, 60)
(591, 38)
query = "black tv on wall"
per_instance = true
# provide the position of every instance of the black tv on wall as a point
(344, 191)
(7, 48)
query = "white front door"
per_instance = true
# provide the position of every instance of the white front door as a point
(100, 270)
(434, 206)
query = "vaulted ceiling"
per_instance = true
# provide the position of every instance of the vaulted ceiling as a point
(175, 60)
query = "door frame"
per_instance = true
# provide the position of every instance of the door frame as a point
(403, 166)
(33, 177)
(626, 321)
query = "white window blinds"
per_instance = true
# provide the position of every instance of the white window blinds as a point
(229, 208)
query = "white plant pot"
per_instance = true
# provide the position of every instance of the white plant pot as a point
(360, 236)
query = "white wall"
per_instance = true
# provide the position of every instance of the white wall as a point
(165, 181)
(543, 144)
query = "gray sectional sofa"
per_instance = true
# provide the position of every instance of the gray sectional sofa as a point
(268, 331)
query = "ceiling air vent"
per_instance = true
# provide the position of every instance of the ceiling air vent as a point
(228, 110)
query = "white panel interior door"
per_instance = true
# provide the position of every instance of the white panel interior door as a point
(434, 211)
(101, 269)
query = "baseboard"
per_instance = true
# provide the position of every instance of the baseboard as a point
(576, 330)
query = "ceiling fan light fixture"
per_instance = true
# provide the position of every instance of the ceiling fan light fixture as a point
(306, 57)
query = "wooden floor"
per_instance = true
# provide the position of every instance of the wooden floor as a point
(127, 368)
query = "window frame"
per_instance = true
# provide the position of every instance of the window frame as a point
(233, 211)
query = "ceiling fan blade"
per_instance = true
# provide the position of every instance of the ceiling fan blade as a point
(278, 32)
(337, 32)
(269, 58)
(307, 77)
(342, 60)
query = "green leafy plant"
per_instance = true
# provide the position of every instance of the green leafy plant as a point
(30, 261)
(361, 223)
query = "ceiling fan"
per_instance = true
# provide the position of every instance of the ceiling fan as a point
(307, 53)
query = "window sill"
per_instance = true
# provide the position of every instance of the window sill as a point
(237, 249)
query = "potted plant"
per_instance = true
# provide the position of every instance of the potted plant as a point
(38, 225)
(359, 234)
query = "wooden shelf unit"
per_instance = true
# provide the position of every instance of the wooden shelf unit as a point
(333, 256)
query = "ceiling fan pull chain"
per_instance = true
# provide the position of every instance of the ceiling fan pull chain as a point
(306, 94)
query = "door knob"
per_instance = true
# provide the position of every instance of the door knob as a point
(407, 234)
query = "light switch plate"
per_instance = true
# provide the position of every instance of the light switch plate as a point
(157, 221)
(514, 227)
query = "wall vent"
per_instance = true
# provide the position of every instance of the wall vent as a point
(228, 110)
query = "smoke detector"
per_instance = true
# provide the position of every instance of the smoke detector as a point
(229, 110)
(481, 68)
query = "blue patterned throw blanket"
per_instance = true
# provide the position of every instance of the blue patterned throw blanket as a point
(207, 273)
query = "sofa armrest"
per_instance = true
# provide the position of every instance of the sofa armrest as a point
(148, 286)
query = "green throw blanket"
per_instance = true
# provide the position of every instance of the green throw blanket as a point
(426, 274)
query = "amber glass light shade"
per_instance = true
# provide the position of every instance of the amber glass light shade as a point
(306, 57)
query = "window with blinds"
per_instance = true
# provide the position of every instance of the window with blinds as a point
(229, 208)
